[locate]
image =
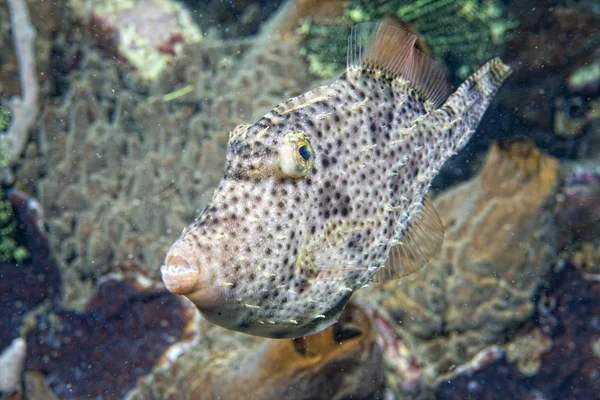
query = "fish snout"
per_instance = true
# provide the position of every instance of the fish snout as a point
(179, 273)
(182, 274)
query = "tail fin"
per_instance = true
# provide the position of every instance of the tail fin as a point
(473, 97)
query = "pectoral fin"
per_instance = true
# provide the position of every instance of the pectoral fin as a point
(422, 240)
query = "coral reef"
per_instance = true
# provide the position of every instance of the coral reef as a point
(128, 316)
(121, 166)
(50, 22)
(33, 283)
(556, 41)
(24, 109)
(339, 363)
(129, 319)
(146, 33)
(464, 30)
(578, 202)
(569, 369)
(500, 242)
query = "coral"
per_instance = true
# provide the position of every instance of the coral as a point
(130, 326)
(573, 115)
(466, 30)
(147, 33)
(526, 351)
(121, 165)
(554, 42)
(9, 249)
(12, 361)
(51, 25)
(23, 109)
(586, 79)
(569, 370)
(4, 121)
(32, 283)
(578, 202)
(500, 241)
(343, 361)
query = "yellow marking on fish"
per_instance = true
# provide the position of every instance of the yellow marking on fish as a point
(251, 306)
(219, 236)
(262, 133)
(323, 116)
(292, 321)
(257, 171)
(303, 248)
(367, 148)
(224, 284)
(358, 106)
(282, 237)
(319, 99)
(390, 208)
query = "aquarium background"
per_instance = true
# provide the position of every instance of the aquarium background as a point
(114, 120)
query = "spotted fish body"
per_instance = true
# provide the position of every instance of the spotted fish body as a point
(329, 191)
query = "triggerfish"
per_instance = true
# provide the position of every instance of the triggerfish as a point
(328, 192)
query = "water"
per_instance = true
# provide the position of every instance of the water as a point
(120, 138)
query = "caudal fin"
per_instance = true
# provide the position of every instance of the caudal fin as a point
(469, 102)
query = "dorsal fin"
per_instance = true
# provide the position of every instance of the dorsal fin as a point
(421, 240)
(391, 49)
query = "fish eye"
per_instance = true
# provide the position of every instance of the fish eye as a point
(305, 152)
(296, 156)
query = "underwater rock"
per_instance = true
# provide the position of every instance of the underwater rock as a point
(145, 33)
(132, 162)
(12, 361)
(499, 244)
(555, 41)
(32, 283)
(570, 369)
(341, 362)
(578, 202)
(130, 326)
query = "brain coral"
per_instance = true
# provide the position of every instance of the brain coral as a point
(500, 242)
(122, 166)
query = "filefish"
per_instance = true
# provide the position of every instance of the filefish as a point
(328, 192)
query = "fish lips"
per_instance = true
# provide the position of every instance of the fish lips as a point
(182, 276)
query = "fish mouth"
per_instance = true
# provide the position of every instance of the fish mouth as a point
(178, 274)
(182, 275)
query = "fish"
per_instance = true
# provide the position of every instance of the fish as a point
(329, 191)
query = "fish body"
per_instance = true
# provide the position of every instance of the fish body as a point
(329, 191)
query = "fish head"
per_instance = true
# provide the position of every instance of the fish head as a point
(246, 261)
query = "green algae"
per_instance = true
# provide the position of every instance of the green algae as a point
(466, 31)
(9, 249)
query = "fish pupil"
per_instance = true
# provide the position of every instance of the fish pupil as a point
(305, 152)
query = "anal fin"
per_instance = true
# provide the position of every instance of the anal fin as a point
(422, 240)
